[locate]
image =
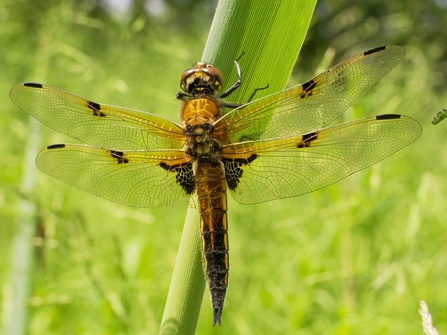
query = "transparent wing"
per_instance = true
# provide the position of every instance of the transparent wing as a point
(96, 124)
(312, 105)
(259, 171)
(139, 179)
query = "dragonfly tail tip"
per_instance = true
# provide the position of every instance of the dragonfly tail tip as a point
(217, 315)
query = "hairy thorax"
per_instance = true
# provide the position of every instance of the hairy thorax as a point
(199, 115)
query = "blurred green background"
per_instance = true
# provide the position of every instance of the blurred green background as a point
(354, 258)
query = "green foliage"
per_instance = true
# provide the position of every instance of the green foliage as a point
(354, 258)
(266, 36)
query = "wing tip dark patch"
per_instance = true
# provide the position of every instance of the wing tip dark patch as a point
(307, 139)
(374, 50)
(388, 116)
(34, 85)
(56, 146)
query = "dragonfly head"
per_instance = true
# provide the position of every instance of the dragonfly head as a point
(201, 79)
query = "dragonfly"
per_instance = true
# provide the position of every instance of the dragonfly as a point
(278, 146)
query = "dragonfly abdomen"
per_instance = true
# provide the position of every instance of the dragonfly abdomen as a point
(211, 191)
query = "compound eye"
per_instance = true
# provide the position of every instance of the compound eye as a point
(183, 78)
(216, 75)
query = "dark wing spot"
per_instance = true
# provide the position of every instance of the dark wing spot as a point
(307, 139)
(56, 146)
(372, 51)
(388, 116)
(96, 108)
(119, 155)
(251, 158)
(234, 171)
(184, 176)
(307, 88)
(164, 166)
(35, 85)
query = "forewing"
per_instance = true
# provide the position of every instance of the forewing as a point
(259, 171)
(96, 124)
(312, 105)
(139, 179)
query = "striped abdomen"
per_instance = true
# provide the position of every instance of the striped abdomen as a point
(211, 191)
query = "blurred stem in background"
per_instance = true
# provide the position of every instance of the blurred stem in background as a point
(22, 248)
(23, 245)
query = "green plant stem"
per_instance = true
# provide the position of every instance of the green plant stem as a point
(188, 281)
(270, 34)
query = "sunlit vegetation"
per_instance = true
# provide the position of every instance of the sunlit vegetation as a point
(354, 258)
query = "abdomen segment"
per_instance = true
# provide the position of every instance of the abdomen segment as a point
(211, 190)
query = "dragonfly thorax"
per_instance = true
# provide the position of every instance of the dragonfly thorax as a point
(201, 143)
